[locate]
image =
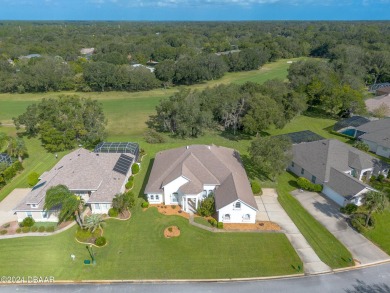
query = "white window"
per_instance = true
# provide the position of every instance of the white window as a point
(152, 197)
(29, 214)
(246, 217)
(209, 192)
(157, 197)
(97, 206)
(226, 217)
(44, 215)
(237, 205)
(204, 193)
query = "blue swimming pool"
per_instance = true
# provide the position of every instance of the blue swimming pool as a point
(349, 132)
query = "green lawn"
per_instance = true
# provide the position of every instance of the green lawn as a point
(327, 247)
(202, 221)
(38, 161)
(380, 234)
(137, 248)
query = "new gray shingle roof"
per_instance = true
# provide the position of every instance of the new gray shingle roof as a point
(344, 184)
(376, 125)
(203, 164)
(79, 170)
(381, 137)
(319, 157)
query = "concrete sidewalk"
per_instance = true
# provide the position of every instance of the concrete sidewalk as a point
(270, 207)
(328, 214)
(9, 203)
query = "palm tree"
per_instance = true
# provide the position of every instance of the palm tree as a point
(375, 202)
(93, 222)
(69, 204)
(17, 148)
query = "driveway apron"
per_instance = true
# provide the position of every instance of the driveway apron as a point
(270, 208)
(328, 214)
(9, 203)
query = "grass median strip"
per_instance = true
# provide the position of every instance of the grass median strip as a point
(328, 248)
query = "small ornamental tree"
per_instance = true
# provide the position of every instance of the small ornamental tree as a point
(207, 207)
(93, 222)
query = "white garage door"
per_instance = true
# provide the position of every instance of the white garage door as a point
(333, 195)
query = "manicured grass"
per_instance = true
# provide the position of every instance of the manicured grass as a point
(202, 221)
(137, 249)
(327, 247)
(38, 161)
(380, 234)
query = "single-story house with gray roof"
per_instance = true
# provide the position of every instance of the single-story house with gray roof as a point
(376, 134)
(185, 176)
(93, 176)
(338, 167)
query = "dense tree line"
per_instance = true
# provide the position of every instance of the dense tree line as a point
(251, 108)
(186, 52)
(64, 122)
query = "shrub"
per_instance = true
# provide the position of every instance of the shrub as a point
(6, 225)
(135, 169)
(32, 178)
(129, 184)
(49, 229)
(152, 136)
(18, 230)
(361, 146)
(206, 207)
(256, 189)
(26, 229)
(28, 222)
(213, 222)
(357, 221)
(145, 204)
(174, 207)
(349, 209)
(17, 166)
(34, 229)
(113, 212)
(307, 185)
(41, 229)
(170, 229)
(220, 225)
(100, 241)
(2, 232)
(380, 177)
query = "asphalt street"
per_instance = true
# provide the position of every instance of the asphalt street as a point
(374, 279)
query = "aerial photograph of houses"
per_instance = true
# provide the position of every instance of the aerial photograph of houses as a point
(195, 146)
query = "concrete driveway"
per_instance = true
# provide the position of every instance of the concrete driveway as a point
(271, 210)
(10, 202)
(328, 214)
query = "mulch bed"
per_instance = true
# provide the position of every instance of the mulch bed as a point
(169, 210)
(258, 226)
(172, 231)
(11, 230)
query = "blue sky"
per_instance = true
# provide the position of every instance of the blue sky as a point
(194, 9)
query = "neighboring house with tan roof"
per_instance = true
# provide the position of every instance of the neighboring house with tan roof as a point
(377, 135)
(96, 177)
(381, 103)
(338, 167)
(187, 175)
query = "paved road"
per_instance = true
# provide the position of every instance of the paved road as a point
(369, 280)
(270, 208)
(328, 214)
(10, 202)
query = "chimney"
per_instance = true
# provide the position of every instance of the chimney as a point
(209, 147)
(187, 147)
